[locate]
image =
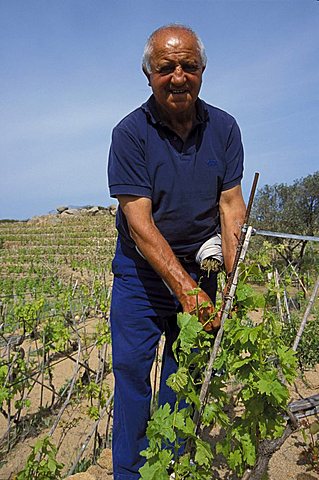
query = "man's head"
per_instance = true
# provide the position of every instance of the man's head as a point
(173, 61)
(148, 49)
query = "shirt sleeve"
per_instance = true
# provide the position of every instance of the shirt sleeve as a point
(127, 172)
(234, 159)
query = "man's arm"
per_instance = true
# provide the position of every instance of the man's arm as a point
(158, 253)
(232, 213)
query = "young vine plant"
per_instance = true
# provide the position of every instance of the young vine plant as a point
(247, 401)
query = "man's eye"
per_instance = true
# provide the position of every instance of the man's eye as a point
(190, 68)
(165, 69)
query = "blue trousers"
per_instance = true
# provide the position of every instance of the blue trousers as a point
(142, 308)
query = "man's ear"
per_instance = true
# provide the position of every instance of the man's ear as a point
(203, 68)
(146, 74)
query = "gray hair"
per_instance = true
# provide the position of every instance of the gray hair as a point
(148, 49)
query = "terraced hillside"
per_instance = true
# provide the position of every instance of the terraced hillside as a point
(54, 337)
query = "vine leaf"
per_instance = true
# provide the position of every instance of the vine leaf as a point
(156, 469)
(178, 380)
(190, 327)
(203, 454)
(270, 385)
(161, 424)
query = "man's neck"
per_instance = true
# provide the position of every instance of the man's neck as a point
(181, 123)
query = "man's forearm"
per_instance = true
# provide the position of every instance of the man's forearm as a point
(229, 247)
(160, 256)
(232, 214)
(162, 259)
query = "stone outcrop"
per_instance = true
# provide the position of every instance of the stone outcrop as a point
(87, 210)
(68, 212)
(61, 209)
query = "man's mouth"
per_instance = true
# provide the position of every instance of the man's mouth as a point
(178, 91)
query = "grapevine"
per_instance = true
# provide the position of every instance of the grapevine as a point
(254, 359)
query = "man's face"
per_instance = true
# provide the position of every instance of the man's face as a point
(176, 71)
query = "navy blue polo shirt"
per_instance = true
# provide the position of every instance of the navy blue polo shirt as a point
(184, 180)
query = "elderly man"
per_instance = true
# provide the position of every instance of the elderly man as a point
(175, 166)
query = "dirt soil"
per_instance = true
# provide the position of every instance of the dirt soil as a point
(289, 462)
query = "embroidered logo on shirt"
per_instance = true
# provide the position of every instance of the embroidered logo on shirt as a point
(211, 163)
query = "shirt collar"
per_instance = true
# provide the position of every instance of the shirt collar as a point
(149, 107)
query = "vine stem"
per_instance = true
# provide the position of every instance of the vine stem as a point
(99, 377)
(67, 400)
(85, 444)
(287, 306)
(17, 414)
(155, 377)
(306, 315)
(277, 285)
(265, 451)
(9, 405)
(42, 369)
(299, 279)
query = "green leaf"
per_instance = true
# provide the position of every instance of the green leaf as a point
(314, 428)
(240, 363)
(254, 333)
(179, 419)
(235, 459)
(153, 471)
(192, 398)
(249, 449)
(177, 381)
(52, 466)
(270, 385)
(190, 328)
(209, 413)
(204, 455)
(161, 424)
(156, 469)
(194, 291)
(242, 336)
(255, 404)
(38, 445)
(243, 292)
(288, 362)
(4, 395)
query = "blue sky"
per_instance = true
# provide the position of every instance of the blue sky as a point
(70, 70)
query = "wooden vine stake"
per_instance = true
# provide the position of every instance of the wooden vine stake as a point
(306, 315)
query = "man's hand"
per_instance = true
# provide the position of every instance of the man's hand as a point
(200, 303)
(209, 320)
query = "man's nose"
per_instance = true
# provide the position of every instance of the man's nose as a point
(178, 77)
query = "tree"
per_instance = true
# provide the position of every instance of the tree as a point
(290, 209)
